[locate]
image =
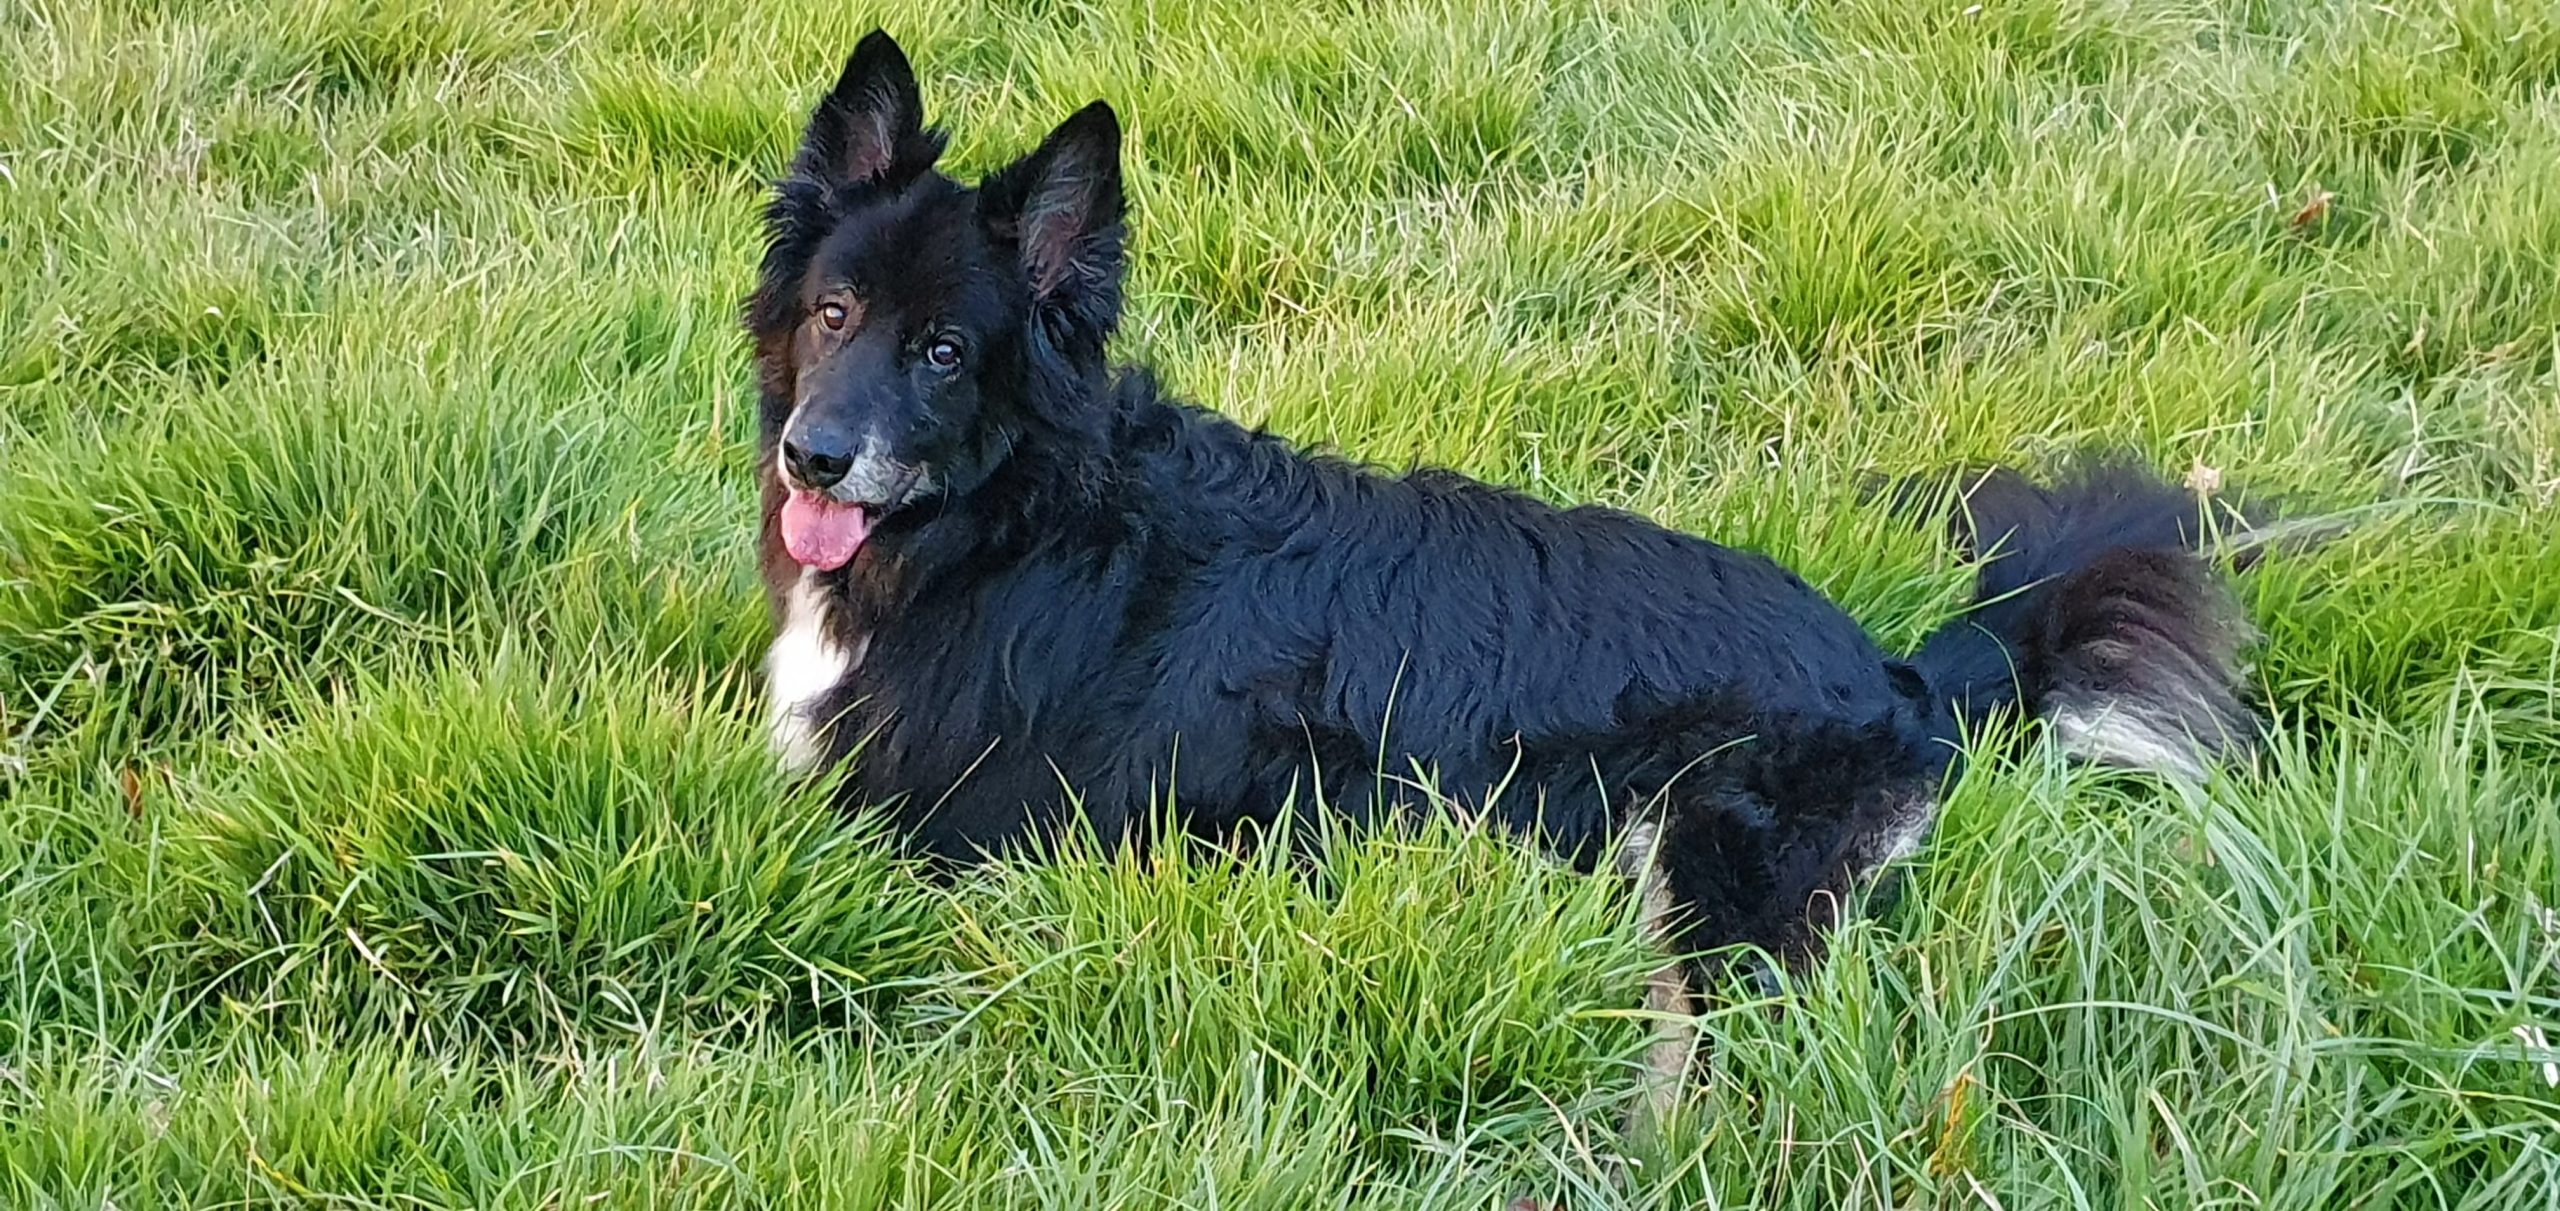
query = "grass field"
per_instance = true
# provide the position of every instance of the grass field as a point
(384, 820)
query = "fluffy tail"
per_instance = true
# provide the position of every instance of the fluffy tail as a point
(2096, 612)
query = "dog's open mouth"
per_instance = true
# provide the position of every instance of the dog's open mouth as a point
(823, 533)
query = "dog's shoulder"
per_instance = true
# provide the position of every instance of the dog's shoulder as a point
(1146, 420)
(1180, 451)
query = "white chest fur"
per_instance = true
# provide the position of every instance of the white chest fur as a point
(803, 665)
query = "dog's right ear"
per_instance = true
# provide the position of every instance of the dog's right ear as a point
(1061, 210)
(869, 131)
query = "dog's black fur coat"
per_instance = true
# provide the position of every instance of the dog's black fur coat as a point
(1111, 600)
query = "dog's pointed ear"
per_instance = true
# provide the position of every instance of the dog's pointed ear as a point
(869, 129)
(1061, 208)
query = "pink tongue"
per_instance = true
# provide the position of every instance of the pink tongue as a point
(822, 533)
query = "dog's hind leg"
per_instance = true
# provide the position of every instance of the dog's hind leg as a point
(1757, 863)
(1668, 1000)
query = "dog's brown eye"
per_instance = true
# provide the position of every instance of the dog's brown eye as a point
(832, 315)
(944, 353)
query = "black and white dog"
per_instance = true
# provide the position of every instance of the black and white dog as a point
(1023, 591)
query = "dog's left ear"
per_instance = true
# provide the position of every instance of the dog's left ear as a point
(1061, 208)
(869, 129)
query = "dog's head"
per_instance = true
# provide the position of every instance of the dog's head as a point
(909, 329)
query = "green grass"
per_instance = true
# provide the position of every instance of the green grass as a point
(383, 821)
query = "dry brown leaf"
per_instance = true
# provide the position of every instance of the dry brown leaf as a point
(2313, 210)
(1951, 1156)
(2204, 480)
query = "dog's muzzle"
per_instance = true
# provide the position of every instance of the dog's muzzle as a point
(863, 477)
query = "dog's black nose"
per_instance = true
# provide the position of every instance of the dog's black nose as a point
(814, 468)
